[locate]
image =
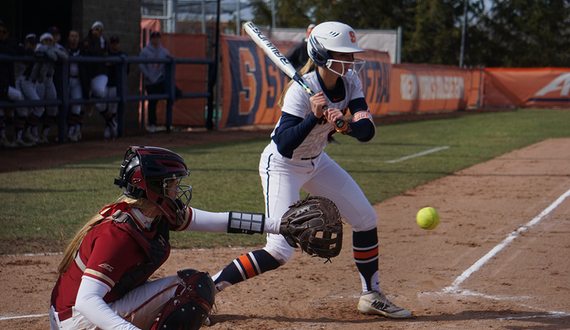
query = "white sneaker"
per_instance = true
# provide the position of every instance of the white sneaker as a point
(152, 129)
(43, 140)
(22, 143)
(107, 134)
(74, 137)
(376, 303)
(5, 143)
(28, 136)
(115, 129)
(111, 131)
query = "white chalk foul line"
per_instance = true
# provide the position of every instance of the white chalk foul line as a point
(475, 267)
(549, 315)
(417, 155)
(2, 318)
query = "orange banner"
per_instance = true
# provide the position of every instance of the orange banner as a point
(376, 80)
(190, 78)
(421, 87)
(527, 87)
(253, 83)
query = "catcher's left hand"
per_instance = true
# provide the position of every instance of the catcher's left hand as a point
(313, 223)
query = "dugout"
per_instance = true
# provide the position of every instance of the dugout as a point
(120, 18)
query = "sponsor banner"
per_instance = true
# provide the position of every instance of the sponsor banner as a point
(419, 87)
(252, 83)
(376, 77)
(527, 87)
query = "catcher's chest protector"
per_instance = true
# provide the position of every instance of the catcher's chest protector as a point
(157, 250)
(190, 306)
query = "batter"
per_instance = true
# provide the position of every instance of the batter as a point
(295, 159)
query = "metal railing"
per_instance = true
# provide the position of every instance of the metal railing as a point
(64, 101)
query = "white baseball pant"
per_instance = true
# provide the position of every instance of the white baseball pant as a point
(112, 92)
(75, 93)
(282, 178)
(139, 307)
(46, 91)
(98, 89)
(28, 88)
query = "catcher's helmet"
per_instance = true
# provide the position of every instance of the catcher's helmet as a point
(333, 37)
(155, 174)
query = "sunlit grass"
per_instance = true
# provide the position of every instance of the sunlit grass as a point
(51, 204)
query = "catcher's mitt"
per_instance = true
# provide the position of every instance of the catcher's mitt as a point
(313, 223)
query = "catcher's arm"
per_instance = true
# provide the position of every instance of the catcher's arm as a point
(230, 222)
(315, 225)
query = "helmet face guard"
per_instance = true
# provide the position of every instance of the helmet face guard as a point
(350, 69)
(156, 174)
(334, 37)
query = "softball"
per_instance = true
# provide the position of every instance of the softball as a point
(427, 218)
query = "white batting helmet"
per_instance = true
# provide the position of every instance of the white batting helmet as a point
(331, 36)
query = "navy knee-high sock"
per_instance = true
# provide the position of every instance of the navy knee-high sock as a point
(245, 267)
(365, 247)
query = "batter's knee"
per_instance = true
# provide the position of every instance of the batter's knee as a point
(278, 248)
(364, 221)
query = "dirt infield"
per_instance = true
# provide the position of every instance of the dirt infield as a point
(498, 260)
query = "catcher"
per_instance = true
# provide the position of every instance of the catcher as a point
(295, 159)
(103, 277)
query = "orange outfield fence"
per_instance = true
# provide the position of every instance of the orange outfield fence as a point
(428, 88)
(189, 78)
(527, 87)
(251, 84)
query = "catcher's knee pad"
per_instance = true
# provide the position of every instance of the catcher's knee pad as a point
(191, 304)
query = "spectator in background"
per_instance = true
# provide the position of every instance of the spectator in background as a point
(58, 71)
(54, 31)
(96, 45)
(8, 89)
(114, 50)
(78, 87)
(21, 113)
(42, 72)
(154, 75)
(27, 84)
(298, 55)
(25, 49)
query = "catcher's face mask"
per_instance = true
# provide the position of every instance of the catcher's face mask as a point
(179, 193)
(156, 174)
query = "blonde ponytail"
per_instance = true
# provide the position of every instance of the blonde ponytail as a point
(69, 254)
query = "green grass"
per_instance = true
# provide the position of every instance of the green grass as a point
(49, 205)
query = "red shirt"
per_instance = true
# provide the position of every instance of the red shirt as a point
(108, 252)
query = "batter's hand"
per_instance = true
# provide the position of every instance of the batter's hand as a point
(318, 101)
(333, 115)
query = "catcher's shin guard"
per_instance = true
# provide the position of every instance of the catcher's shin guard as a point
(191, 305)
